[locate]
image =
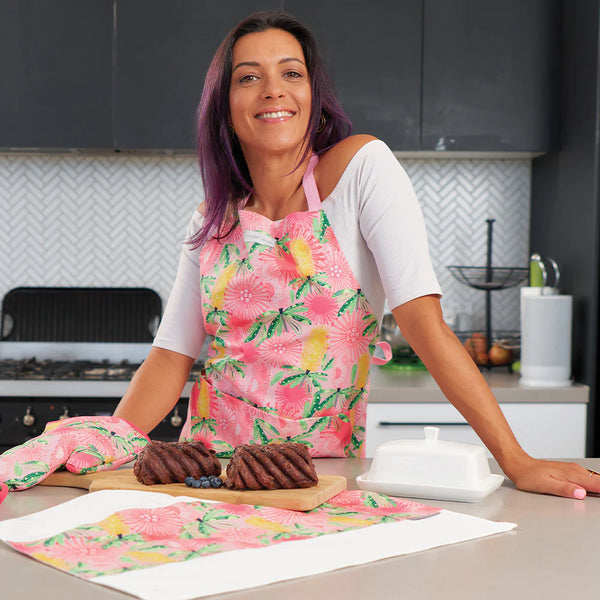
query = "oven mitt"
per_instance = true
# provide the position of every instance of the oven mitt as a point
(81, 444)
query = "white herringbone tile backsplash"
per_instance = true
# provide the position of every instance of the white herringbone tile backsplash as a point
(119, 221)
(457, 196)
(94, 221)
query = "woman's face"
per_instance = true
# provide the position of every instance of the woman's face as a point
(270, 92)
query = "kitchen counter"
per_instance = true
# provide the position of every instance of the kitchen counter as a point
(552, 554)
(388, 385)
(401, 402)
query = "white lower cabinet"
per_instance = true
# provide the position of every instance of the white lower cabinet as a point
(551, 430)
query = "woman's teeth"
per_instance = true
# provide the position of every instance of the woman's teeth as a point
(275, 115)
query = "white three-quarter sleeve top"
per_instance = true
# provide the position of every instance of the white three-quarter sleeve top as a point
(379, 225)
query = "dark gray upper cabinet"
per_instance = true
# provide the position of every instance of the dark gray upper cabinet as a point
(419, 74)
(163, 51)
(373, 51)
(490, 75)
(55, 73)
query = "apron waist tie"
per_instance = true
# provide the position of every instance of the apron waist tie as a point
(382, 354)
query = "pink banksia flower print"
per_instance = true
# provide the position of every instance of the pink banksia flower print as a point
(292, 517)
(291, 400)
(237, 510)
(338, 272)
(346, 337)
(284, 349)
(300, 222)
(247, 296)
(226, 419)
(280, 264)
(81, 461)
(338, 431)
(79, 548)
(238, 348)
(154, 522)
(321, 307)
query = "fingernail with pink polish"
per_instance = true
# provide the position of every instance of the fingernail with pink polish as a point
(579, 494)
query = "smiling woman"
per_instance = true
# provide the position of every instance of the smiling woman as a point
(305, 232)
(295, 64)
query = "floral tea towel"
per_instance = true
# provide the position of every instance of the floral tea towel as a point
(164, 547)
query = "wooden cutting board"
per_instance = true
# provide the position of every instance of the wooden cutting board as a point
(124, 479)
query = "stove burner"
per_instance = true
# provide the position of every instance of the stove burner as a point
(66, 370)
(79, 370)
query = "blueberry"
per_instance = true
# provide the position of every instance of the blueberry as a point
(188, 481)
(216, 482)
(196, 483)
(204, 478)
(205, 484)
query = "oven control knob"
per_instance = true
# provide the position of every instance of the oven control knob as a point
(28, 418)
(65, 415)
(176, 420)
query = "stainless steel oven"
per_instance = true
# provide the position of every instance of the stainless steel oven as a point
(68, 352)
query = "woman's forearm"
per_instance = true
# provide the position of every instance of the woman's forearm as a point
(155, 388)
(459, 378)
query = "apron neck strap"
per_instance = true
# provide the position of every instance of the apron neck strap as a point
(310, 187)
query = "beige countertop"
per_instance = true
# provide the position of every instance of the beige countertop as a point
(396, 386)
(386, 386)
(553, 554)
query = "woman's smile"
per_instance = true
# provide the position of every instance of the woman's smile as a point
(275, 116)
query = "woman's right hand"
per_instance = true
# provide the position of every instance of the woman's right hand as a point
(81, 444)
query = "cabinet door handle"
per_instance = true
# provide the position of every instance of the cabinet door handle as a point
(415, 424)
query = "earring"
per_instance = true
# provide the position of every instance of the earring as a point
(322, 123)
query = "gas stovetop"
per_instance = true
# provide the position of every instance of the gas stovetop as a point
(78, 370)
(71, 369)
(85, 370)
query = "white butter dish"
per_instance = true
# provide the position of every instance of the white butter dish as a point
(431, 469)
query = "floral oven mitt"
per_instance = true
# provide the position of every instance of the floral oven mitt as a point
(81, 444)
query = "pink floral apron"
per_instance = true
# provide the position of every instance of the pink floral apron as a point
(294, 337)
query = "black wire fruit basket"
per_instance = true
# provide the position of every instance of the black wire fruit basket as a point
(489, 279)
(493, 278)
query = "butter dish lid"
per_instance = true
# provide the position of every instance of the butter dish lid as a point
(431, 468)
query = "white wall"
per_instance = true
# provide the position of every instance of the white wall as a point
(118, 220)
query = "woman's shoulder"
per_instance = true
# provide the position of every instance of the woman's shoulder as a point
(334, 161)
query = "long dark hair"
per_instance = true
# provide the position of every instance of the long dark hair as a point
(222, 165)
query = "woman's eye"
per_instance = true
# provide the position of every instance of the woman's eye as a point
(293, 74)
(248, 78)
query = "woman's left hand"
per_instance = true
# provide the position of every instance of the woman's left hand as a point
(565, 479)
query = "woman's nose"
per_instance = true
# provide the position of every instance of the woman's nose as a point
(272, 87)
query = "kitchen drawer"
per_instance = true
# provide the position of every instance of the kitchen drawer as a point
(544, 430)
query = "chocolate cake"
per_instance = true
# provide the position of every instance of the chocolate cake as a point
(172, 462)
(270, 467)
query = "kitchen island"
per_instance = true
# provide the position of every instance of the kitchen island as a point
(552, 554)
